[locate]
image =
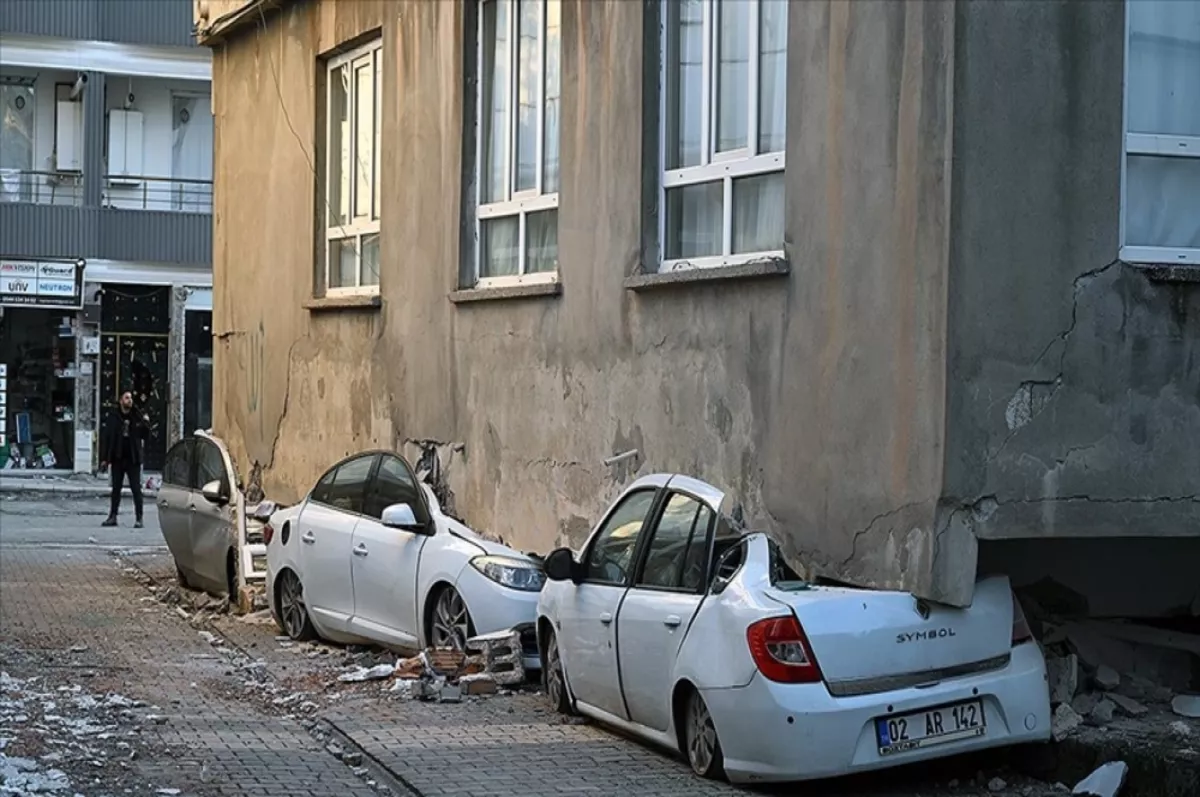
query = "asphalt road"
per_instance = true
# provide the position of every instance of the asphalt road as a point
(31, 519)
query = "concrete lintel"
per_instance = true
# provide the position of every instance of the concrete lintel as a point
(324, 303)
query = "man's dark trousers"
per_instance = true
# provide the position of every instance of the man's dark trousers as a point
(121, 471)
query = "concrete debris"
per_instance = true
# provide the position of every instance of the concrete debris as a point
(1102, 714)
(450, 693)
(1064, 678)
(1106, 781)
(360, 674)
(352, 759)
(1128, 705)
(1107, 678)
(478, 684)
(1083, 704)
(997, 785)
(169, 792)
(1144, 689)
(1064, 722)
(1186, 706)
(261, 617)
(211, 638)
(499, 655)
(1181, 729)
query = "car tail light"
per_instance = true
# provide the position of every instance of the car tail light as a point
(1020, 629)
(781, 651)
(268, 533)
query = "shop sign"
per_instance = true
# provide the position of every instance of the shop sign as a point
(41, 283)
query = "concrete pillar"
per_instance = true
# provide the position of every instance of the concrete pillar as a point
(94, 121)
(177, 359)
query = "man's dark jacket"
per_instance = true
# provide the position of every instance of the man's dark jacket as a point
(110, 441)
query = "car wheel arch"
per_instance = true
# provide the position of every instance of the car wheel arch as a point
(431, 598)
(679, 696)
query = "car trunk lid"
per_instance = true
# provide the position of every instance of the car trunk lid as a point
(868, 641)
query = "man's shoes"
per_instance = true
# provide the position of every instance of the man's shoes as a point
(137, 524)
(110, 521)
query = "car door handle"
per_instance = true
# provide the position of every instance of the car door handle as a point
(606, 617)
(360, 550)
(672, 621)
(308, 538)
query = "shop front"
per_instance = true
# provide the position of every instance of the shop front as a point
(40, 303)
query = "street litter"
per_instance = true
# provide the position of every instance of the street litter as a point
(1106, 781)
(360, 674)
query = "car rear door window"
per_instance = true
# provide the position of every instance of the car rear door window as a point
(676, 556)
(349, 486)
(394, 483)
(210, 465)
(610, 557)
(177, 466)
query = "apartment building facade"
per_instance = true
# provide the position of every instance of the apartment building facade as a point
(914, 280)
(105, 225)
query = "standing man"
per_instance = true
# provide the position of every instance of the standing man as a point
(121, 449)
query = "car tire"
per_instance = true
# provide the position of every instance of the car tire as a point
(555, 678)
(293, 612)
(700, 743)
(450, 623)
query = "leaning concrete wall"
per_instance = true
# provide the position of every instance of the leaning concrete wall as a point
(1073, 379)
(817, 396)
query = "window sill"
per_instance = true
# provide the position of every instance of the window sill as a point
(645, 281)
(1161, 272)
(354, 302)
(497, 293)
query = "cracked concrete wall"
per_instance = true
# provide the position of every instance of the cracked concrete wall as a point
(1072, 407)
(816, 397)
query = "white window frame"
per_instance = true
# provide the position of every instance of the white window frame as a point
(1171, 146)
(714, 166)
(519, 203)
(357, 228)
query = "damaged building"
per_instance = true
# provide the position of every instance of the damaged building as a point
(916, 280)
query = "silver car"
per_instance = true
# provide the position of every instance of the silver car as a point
(198, 510)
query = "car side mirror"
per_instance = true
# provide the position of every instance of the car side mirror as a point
(401, 516)
(560, 565)
(214, 492)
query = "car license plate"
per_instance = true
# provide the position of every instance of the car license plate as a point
(904, 732)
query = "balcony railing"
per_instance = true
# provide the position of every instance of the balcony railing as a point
(140, 192)
(41, 188)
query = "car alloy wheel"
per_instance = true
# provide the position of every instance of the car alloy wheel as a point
(556, 681)
(451, 620)
(293, 612)
(700, 739)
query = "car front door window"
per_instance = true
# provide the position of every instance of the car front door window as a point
(675, 557)
(210, 465)
(348, 488)
(394, 483)
(610, 557)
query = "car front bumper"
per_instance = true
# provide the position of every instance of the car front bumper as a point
(773, 732)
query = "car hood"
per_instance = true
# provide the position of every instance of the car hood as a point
(465, 532)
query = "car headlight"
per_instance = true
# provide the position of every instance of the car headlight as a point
(511, 573)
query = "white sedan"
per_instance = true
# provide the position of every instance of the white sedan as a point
(677, 626)
(369, 556)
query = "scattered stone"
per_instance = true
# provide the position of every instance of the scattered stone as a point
(361, 674)
(450, 693)
(478, 684)
(1083, 704)
(1107, 678)
(499, 655)
(210, 637)
(1180, 728)
(1064, 678)
(1102, 714)
(169, 792)
(1186, 706)
(352, 759)
(335, 750)
(1064, 722)
(1128, 705)
(1106, 781)
(997, 785)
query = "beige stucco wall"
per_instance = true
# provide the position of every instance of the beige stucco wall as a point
(818, 397)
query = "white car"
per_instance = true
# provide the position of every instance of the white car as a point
(675, 625)
(369, 556)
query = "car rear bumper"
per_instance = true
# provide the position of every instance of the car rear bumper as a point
(784, 732)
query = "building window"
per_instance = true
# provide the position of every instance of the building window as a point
(1161, 209)
(723, 119)
(519, 100)
(352, 137)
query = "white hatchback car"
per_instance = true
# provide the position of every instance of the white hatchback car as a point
(369, 556)
(677, 626)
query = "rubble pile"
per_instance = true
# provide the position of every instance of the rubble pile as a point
(57, 740)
